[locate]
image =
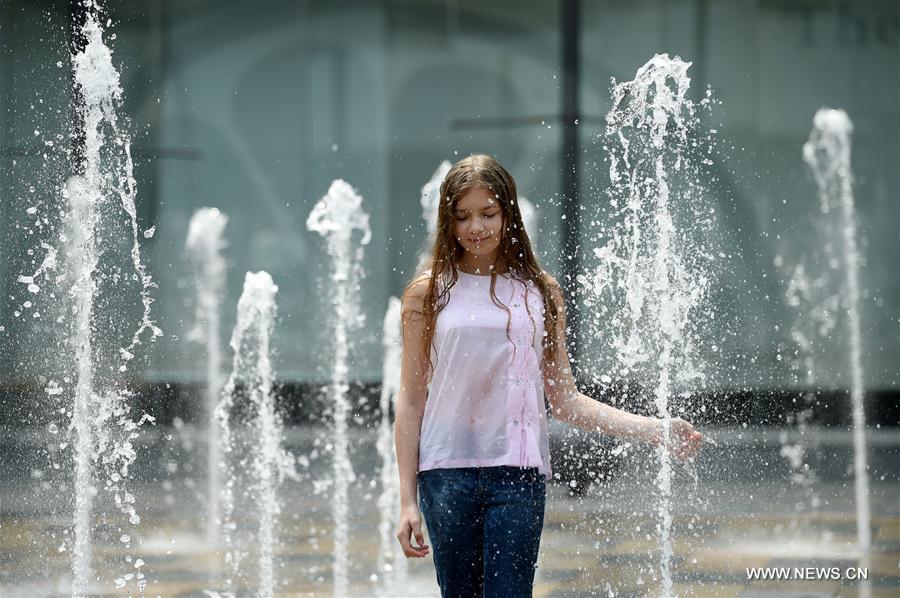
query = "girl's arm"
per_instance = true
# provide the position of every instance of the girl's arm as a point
(410, 406)
(571, 406)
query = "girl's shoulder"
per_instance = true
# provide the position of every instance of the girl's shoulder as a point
(416, 291)
(555, 288)
(548, 278)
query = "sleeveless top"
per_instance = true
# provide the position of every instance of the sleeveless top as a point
(485, 403)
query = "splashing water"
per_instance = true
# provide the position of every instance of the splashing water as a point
(430, 201)
(204, 245)
(335, 217)
(98, 82)
(827, 153)
(431, 196)
(529, 219)
(48, 264)
(82, 255)
(654, 272)
(814, 307)
(251, 430)
(392, 566)
(101, 420)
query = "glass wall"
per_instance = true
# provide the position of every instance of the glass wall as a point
(255, 107)
(771, 65)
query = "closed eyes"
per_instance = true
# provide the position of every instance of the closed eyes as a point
(491, 215)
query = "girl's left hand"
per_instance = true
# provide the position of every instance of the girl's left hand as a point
(684, 440)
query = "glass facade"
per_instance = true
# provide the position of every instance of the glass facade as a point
(254, 107)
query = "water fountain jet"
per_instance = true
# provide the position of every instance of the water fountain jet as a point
(205, 244)
(655, 273)
(392, 566)
(101, 420)
(336, 216)
(251, 432)
(827, 153)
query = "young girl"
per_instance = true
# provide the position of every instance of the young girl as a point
(485, 326)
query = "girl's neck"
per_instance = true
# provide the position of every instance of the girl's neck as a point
(484, 269)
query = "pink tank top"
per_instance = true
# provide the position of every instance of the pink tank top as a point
(485, 404)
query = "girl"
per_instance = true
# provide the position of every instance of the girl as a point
(485, 326)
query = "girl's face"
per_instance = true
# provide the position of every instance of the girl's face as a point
(478, 222)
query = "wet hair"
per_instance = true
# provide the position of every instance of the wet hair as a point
(515, 256)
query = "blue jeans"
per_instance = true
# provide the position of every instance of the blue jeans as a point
(485, 528)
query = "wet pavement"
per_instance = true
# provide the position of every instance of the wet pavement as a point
(739, 506)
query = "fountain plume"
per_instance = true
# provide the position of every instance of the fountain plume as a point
(827, 153)
(204, 245)
(392, 566)
(251, 430)
(101, 420)
(336, 216)
(653, 272)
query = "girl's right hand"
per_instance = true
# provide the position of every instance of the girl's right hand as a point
(411, 526)
(684, 441)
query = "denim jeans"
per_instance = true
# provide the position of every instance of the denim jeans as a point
(485, 526)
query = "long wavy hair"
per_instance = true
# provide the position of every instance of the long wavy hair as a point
(515, 256)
